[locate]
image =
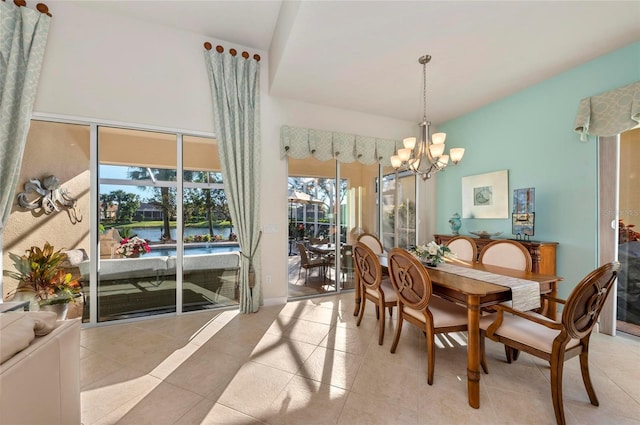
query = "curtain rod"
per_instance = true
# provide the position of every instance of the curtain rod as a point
(233, 52)
(41, 7)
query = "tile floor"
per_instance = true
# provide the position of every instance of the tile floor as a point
(306, 362)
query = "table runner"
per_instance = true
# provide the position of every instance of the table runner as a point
(525, 294)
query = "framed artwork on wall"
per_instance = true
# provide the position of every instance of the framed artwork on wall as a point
(523, 217)
(485, 195)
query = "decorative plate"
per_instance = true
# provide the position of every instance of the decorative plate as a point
(485, 234)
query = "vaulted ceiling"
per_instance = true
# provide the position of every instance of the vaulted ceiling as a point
(363, 55)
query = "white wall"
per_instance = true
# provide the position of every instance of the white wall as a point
(113, 68)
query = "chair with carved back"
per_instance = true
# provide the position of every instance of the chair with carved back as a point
(506, 253)
(464, 248)
(556, 341)
(375, 245)
(416, 305)
(374, 287)
(372, 242)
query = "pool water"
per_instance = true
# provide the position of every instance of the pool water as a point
(170, 251)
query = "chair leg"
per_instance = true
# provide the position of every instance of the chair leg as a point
(557, 363)
(381, 324)
(378, 312)
(431, 355)
(396, 338)
(514, 354)
(511, 353)
(363, 301)
(483, 353)
(584, 368)
(390, 311)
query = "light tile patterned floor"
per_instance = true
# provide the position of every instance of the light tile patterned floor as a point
(306, 362)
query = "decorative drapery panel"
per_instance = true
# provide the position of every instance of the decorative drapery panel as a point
(23, 37)
(609, 113)
(323, 145)
(235, 90)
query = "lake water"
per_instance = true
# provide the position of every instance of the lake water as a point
(154, 233)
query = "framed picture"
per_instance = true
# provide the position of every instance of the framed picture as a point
(485, 195)
(523, 217)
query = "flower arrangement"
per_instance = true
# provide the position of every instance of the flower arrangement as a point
(432, 253)
(40, 273)
(133, 247)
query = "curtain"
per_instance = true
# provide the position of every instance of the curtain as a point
(609, 113)
(325, 145)
(23, 37)
(235, 90)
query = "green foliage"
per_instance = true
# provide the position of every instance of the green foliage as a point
(125, 232)
(40, 273)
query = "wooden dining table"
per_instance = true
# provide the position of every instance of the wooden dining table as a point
(476, 295)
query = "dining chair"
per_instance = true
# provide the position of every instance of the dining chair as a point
(464, 248)
(416, 305)
(506, 253)
(372, 242)
(375, 287)
(556, 341)
(307, 262)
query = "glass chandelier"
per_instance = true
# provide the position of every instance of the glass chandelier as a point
(427, 157)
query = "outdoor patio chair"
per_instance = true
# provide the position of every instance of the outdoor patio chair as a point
(307, 262)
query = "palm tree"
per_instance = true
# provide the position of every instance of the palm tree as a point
(165, 201)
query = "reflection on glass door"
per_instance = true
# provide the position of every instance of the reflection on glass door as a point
(398, 210)
(628, 305)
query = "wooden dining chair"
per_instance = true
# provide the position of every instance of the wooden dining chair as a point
(417, 306)
(506, 253)
(372, 242)
(308, 262)
(555, 341)
(375, 287)
(464, 248)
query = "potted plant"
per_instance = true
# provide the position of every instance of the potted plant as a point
(40, 275)
(432, 254)
(133, 247)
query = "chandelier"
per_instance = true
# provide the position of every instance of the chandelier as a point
(427, 157)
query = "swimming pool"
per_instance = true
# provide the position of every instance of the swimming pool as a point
(193, 249)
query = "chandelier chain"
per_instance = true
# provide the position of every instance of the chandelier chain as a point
(424, 92)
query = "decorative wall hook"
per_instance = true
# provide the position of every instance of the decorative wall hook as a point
(49, 196)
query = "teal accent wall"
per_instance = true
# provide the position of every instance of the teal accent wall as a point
(531, 134)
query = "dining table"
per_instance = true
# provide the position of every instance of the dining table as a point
(476, 295)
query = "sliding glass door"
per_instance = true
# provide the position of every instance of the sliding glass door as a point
(329, 205)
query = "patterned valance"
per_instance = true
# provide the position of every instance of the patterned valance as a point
(325, 145)
(609, 113)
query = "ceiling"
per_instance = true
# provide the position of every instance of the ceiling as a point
(363, 55)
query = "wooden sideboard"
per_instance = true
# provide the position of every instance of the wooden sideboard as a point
(543, 254)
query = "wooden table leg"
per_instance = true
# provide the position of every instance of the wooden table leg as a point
(473, 351)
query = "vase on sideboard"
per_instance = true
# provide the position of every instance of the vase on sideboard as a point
(455, 223)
